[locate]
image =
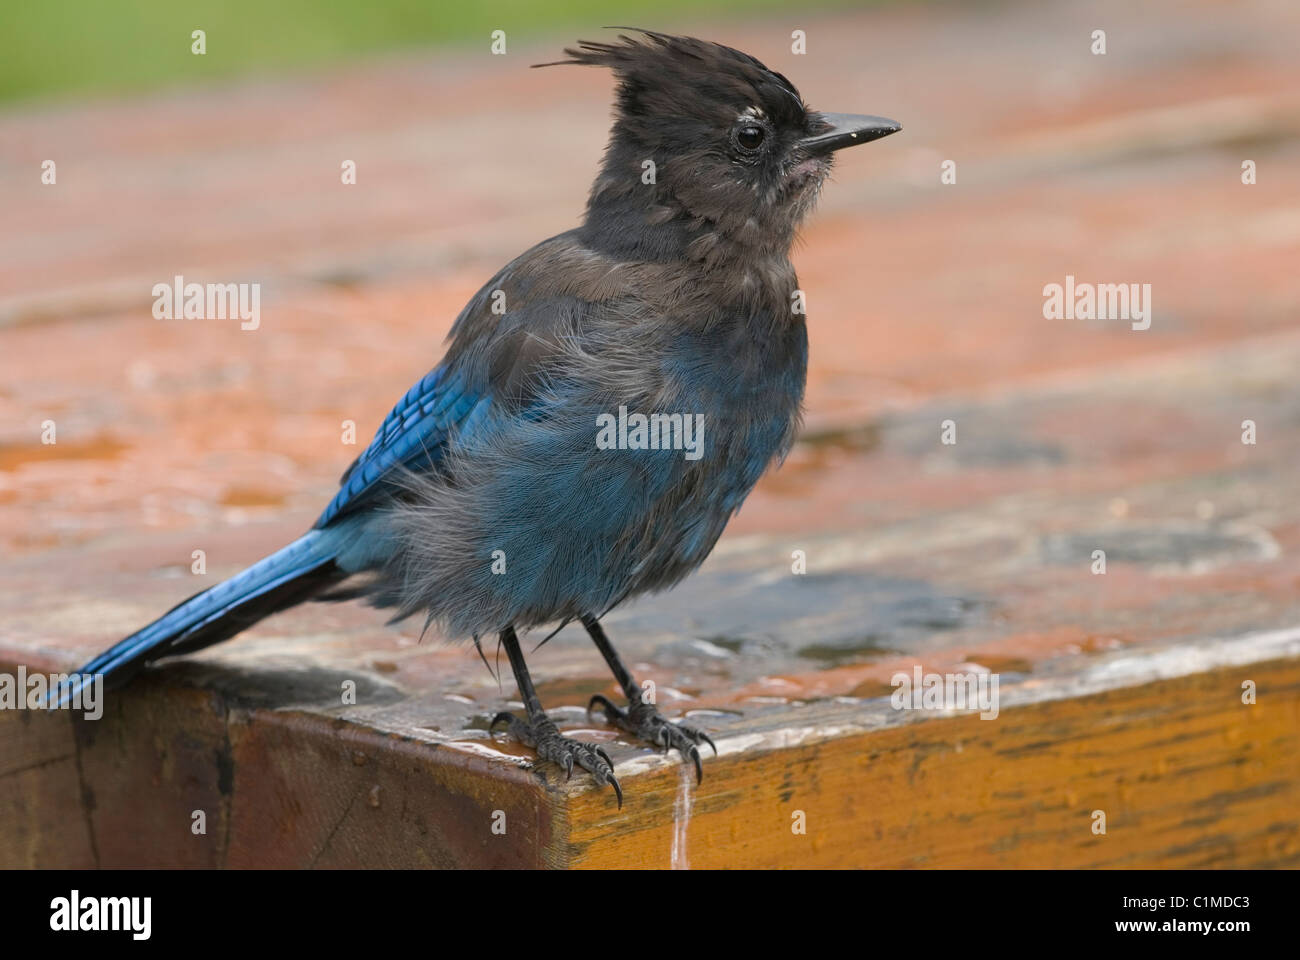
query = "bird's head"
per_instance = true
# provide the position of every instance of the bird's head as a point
(707, 134)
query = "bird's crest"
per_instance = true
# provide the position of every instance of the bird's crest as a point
(660, 73)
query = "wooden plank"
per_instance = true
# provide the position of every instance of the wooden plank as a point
(1119, 692)
(1186, 773)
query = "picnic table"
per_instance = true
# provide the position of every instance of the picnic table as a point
(965, 459)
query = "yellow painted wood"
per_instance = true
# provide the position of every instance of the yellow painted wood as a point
(1187, 775)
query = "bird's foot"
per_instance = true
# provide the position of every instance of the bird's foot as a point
(643, 721)
(542, 735)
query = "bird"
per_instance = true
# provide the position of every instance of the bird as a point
(604, 405)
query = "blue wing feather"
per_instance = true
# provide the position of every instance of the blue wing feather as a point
(458, 396)
(413, 435)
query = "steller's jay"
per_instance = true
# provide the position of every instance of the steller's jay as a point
(606, 403)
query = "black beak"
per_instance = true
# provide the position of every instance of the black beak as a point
(847, 129)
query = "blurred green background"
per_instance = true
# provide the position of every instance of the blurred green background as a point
(52, 47)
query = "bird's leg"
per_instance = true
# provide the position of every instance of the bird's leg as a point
(539, 730)
(641, 719)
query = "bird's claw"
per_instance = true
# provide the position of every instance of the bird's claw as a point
(542, 735)
(646, 723)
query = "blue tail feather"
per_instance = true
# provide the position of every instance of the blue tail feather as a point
(288, 576)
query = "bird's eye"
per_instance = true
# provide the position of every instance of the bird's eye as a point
(750, 137)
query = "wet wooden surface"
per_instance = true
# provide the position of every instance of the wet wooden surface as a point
(1121, 692)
